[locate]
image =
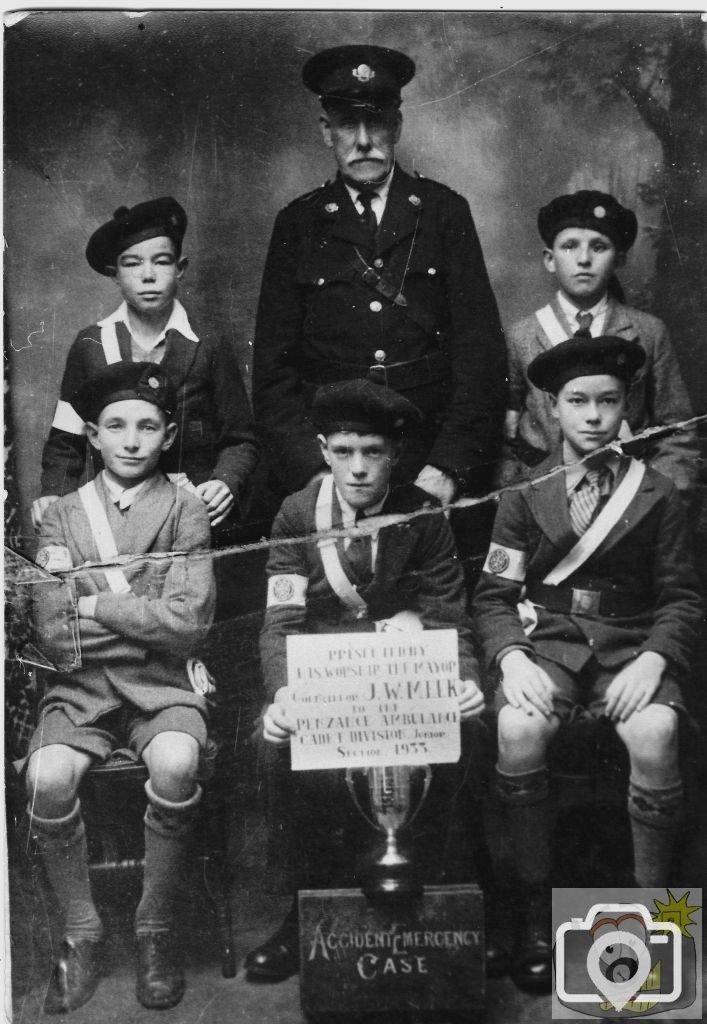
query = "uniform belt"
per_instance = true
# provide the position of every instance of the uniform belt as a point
(604, 604)
(401, 376)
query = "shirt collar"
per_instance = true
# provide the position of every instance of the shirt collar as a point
(178, 321)
(575, 471)
(571, 311)
(123, 497)
(348, 514)
(381, 190)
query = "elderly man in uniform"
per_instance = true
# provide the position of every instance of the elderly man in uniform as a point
(378, 274)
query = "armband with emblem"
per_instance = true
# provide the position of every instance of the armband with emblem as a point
(287, 589)
(54, 558)
(509, 563)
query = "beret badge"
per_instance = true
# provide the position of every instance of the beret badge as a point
(152, 382)
(599, 212)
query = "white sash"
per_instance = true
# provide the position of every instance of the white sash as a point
(547, 318)
(109, 341)
(333, 570)
(103, 536)
(601, 527)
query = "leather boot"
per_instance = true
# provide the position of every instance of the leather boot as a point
(278, 957)
(160, 979)
(531, 969)
(75, 975)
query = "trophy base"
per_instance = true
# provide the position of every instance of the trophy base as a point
(389, 877)
(359, 957)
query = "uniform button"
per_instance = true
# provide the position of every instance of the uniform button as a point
(591, 641)
(320, 282)
(378, 263)
(379, 356)
(376, 306)
(432, 271)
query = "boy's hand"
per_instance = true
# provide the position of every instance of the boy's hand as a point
(471, 699)
(218, 499)
(278, 724)
(437, 483)
(635, 685)
(39, 507)
(526, 685)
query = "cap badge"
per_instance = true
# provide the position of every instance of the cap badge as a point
(364, 73)
(599, 212)
(415, 200)
(153, 383)
(332, 207)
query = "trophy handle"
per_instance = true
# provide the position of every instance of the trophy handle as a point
(354, 797)
(426, 786)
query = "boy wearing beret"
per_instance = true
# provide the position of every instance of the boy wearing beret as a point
(138, 622)
(598, 553)
(587, 235)
(399, 577)
(141, 250)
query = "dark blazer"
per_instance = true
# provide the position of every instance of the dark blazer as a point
(658, 395)
(216, 434)
(319, 321)
(647, 557)
(416, 569)
(136, 648)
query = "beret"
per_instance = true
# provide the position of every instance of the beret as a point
(363, 407)
(119, 382)
(129, 226)
(597, 211)
(586, 357)
(365, 76)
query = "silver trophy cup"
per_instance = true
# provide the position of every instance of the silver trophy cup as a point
(390, 794)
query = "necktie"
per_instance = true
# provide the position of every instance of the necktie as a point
(358, 554)
(586, 497)
(585, 322)
(368, 217)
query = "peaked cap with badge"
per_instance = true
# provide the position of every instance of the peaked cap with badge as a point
(364, 76)
(596, 211)
(363, 407)
(121, 382)
(127, 227)
(586, 357)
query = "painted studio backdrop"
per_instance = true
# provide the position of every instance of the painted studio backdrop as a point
(105, 108)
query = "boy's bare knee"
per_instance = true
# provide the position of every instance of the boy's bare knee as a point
(52, 779)
(651, 735)
(521, 734)
(172, 760)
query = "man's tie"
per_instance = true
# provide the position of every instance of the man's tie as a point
(368, 217)
(358, 554)
(585, 323)
(586, 497)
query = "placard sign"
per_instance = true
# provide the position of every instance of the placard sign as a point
(367, 699)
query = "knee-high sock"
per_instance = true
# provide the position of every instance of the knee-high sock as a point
(656, 818)
(167, 826)
(61, 844)
(525, 801)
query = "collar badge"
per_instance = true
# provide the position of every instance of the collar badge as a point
(332, 207)
(415, 200)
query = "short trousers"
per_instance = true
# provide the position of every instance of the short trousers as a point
(583, 694)
(119, 728)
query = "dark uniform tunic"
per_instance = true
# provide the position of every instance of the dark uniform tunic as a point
(642, 575)
(424, 314)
